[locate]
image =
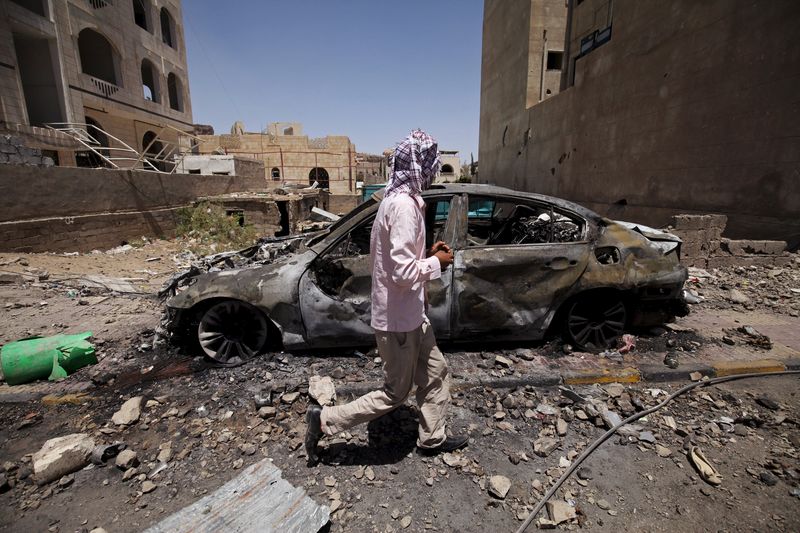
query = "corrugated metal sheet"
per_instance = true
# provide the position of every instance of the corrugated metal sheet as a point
(258, 499)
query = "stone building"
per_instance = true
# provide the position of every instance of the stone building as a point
(450, 170)
(295, 159)
(663, 108)
(370, 169)
(119, 65)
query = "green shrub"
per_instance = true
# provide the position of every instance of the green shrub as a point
(210, 228)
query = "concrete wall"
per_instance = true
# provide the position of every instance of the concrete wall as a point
(97, 208)
(221, 165)
(691, 107)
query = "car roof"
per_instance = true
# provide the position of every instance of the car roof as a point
(493, 190)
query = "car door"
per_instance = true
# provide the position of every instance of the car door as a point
(519, 257)
(334, 292)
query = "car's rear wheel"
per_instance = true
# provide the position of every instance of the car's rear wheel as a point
(232, 331)
(595, 321)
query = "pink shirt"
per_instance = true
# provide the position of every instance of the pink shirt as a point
(399, 266)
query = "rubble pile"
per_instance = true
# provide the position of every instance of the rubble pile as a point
(749, 287)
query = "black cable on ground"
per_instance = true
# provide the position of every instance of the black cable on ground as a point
(588, 451)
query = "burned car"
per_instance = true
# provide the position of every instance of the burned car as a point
(524, 265)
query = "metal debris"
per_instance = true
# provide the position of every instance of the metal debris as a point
(258, 499)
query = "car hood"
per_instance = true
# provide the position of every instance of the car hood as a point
(663, 240)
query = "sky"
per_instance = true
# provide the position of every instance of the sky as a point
(369, 69)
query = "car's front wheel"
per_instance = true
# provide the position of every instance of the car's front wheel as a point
(595, 321)
(232, 331)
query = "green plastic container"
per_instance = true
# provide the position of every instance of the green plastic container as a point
(53, 357)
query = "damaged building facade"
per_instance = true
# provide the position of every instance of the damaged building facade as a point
(655, 109)
(294, 159)
(119, 66)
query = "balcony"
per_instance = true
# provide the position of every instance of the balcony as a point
(104, 87)
(99, 4)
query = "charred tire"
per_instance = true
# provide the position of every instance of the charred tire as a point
(232, 331)
(594, 321)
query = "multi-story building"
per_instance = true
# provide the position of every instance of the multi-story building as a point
(119, 65)
(663, 108)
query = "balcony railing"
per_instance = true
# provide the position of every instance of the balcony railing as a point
(104, 87)
(97, 4)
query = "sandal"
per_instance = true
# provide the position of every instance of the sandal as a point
(703, 466)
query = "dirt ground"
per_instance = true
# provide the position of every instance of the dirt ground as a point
(371, 476)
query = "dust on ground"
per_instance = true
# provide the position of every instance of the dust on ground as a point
(371, 476)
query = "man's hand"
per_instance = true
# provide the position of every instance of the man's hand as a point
(443, 253)
(440, 245)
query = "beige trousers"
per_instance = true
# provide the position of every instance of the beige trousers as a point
(410, 358)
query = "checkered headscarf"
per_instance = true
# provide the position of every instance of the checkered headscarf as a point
(414, 164)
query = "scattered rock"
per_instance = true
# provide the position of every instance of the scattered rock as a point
(329, 481)
(129, 413)
(603, 504)
(647, 436)
(768, 478)
(614, 390)
(148, 486)
(695, 376)
(584, 473)
(165, 452)
(126, 459)
(322, 390)
(369, 473)
(561, 427)
(663, 451)
(405, 522)
(738, 297)
(267, 411)
(290, 397)
(560, 511)
(547, 409)
(499, 486)
(129, 473)
(503, 361)
(544, 446)
(61, 456)
(769, 403)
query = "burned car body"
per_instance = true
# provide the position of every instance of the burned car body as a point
(524, 264)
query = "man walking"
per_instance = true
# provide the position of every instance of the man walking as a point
(406, 344)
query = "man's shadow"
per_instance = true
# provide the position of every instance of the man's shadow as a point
(390, 438)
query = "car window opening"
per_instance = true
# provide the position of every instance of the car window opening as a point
(492, 222)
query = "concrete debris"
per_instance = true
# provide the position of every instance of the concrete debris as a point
(129, 413)
(499, 486)
(544, 446)
(61, 456)
(126, 459)
(560, 511)
(322, 390)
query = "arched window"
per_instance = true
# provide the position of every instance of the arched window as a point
(447, 169)
(98, 58)
(150, 81)
(168, 28)
(141, 14)
(175, 90)
(320, 175)
(276, 173)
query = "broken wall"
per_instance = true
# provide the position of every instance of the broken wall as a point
(77, 209)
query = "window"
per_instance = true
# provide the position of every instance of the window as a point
(221, 173)
(497, 221)
(276, 173)
(168, 28)
(319, 175)
(554, 60)
(149, 77)
(194, 171)
(141, 13)
(175, 90)
(447, 169)
(37, 6)
(98, 58)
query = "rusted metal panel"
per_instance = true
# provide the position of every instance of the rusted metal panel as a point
(257, 500)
